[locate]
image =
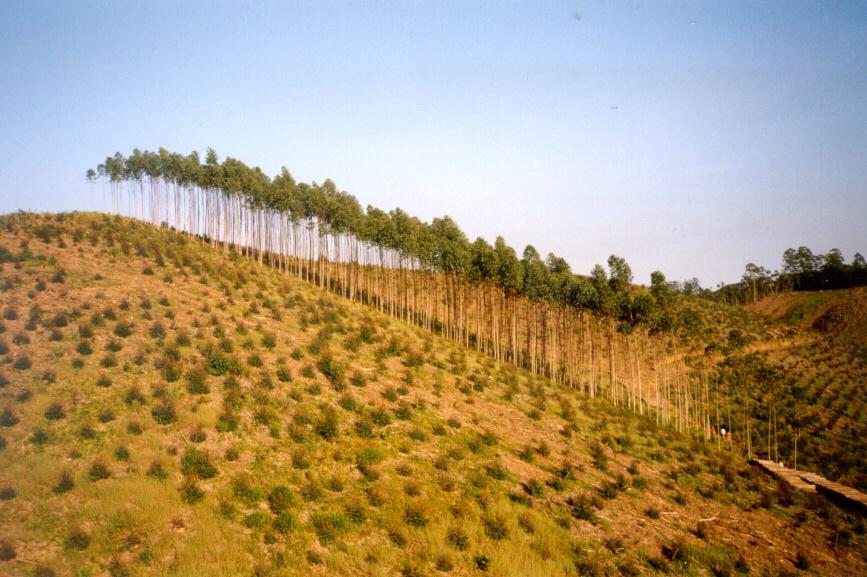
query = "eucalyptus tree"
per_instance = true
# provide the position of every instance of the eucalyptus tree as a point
(531, 312)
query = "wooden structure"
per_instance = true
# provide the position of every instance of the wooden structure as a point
(813, 483)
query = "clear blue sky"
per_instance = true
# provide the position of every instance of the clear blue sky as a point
(690, 137)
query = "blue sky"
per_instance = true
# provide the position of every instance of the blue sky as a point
(690, 137)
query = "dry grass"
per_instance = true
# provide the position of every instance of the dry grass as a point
(379, 474)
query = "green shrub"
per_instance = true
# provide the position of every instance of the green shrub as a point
(196, 463)
(133, 395)
(198, 434)
(364, 427)
(245, 491)
(77, 539)
(55, 412)
(285, 522)
(380, 417)
(329, 526)
(191, 492)
(443, 563)
(98, 471)
(496, 471)
(415, 515)
(300, 459)
(22, 362)
(157, 330)
(84, 348)
(284, 375)
(197, 381)
(64, 484)
(123, 329)
(334, 371)
(496, 527)
(326, 427)
(218, 364)
(164, 413)
(280, 498)
(582, 507)
(227, 421)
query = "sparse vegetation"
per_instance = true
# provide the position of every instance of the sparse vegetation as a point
(400, 452)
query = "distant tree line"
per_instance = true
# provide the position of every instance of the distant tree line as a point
(801, 271)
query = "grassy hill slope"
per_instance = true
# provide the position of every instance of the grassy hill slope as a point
(168, 409)
(836, 313)
(802, 360)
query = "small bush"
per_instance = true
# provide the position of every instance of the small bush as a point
(196, 382)
(191, 492)
(98, 471)
(326, 427)
(218, 364)
(284, 375)
(164, 413)
(8, 493)
(328, 527)
(157, 331)
(496, 527)
(334, 371)
(581, 507)
(121, 453)
(64, 484)
(55, 412)
(444, 564)
(196, 463)
(285, 522)
(198, 434)
(77, 539)
(7, 551)
(482, 562)
(22, 362)
(157, 471)
(117, 568)
(8, 418)
(802, 561)
(415, 515)
(44, 571)
(123, 329)
(280, 498)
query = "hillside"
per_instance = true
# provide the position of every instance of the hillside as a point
(836, 313)
(168, 408)
(800, 371)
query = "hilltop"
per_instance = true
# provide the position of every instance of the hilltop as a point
(172, 408)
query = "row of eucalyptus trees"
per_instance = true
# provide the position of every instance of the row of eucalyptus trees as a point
(597, 333)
